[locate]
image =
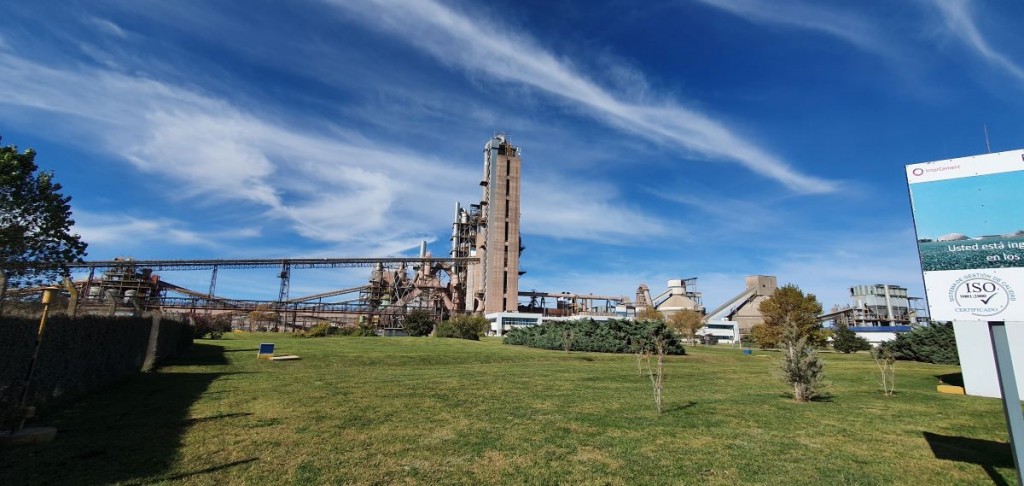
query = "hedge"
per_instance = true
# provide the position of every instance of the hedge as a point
(935, 343)
(613, 336)
(462, 327)
(79, 355)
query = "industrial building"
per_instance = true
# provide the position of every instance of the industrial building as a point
(490, 231)
(877, 312)
(681, 294)
(877, 305)
(734, 318)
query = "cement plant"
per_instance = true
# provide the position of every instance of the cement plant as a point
(480, 275)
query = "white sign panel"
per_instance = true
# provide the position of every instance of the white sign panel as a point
(969, 216)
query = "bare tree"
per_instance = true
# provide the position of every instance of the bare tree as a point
(654, 347)
(886, 363)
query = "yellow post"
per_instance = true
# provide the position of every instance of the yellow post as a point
(47, 297)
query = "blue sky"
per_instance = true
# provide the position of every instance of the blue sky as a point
(663, 139)
(973, 206)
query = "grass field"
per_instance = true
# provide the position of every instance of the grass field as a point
(442, 411)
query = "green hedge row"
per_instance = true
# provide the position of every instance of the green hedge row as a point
(935, 343)
(614, 336)
(462, 327)
(78, 355)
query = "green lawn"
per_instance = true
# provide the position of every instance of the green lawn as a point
(427, 410)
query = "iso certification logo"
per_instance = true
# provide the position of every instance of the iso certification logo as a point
(980, 294)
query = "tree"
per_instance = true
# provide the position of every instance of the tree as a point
(795, 316)
(687, 323)
(207, 324)
(847, 341)
(766, 337)
(658, 339)
(886, 363)
(935, 343)
(418, 323)
(788, 306)
(263, 318)
(36, 242)
(650, 314)
(801, 367)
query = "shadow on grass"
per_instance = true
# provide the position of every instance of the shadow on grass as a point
(201, 354)
(226, 465)
(127, 433)
(988, 454)
(953, 379)
(681, 406)
(823, 398)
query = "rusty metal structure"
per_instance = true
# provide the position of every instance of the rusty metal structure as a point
(396, 286)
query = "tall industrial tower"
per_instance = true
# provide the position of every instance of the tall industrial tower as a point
(490, 231)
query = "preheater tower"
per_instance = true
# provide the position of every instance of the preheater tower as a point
(490, 231)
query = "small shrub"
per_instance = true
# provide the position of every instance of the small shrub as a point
(204, 325)
(418, 323)
(463, 327)
(802, 369)
(321, 329)
(362, 330)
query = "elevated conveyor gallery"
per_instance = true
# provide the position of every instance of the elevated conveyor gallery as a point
(743, 308)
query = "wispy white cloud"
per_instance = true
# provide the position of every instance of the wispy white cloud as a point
(576, 209)
(721, 217)
(331, 186)
(485, 46)
(107, 27)
(132, 232)
(844, 25)
(327, 188)
(960, 21)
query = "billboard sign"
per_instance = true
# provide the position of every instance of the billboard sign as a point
(969, 217)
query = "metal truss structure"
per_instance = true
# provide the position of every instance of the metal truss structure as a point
(391, 292)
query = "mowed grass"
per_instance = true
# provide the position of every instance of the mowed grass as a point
(444, 411)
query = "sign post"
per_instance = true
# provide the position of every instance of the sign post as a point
(1011, 397)
(970, 238)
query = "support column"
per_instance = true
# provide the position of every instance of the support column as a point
(1008, 388)
(213, 282)
(285, 277)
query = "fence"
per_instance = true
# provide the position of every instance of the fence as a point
(81, 355)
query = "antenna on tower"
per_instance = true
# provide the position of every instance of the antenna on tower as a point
(987, 145)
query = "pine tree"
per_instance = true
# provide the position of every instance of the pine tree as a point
(847, 341)
(801, 367)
